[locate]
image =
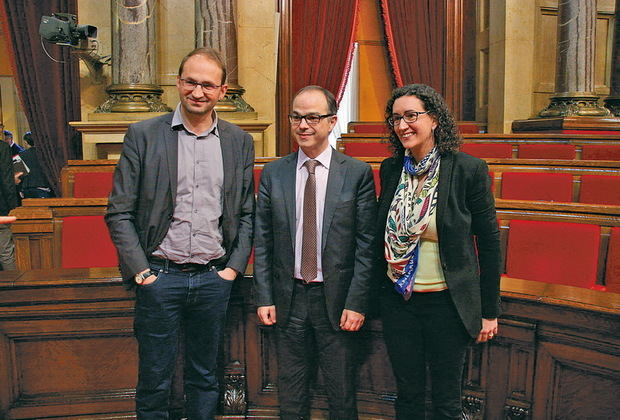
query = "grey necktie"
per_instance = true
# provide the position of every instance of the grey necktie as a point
(308, 244)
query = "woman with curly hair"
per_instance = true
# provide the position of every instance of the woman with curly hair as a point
(441, 267)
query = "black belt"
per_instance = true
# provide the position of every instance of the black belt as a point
(186, 267)
(308, 284)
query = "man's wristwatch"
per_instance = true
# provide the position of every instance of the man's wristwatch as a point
(140, 277)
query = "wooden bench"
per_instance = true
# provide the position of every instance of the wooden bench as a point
(62, 232)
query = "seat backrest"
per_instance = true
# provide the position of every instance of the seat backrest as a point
(600, 152)
(537, 186)
(92, 184)
(367, 149)
(546, 151)
(553, 252)
(612, 272)
(86, 242)
(600, 189)
(488, 150)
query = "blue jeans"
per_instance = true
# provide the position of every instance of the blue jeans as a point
(198, 301)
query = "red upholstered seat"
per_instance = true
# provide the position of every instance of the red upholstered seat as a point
(86, 243)
(257, 172)
(366, 149)
(546, 151)
(553, 252)
(600, 189)
(377, 178)
(612, 272)
(488, 150)
(537, 186)
(600, 152)
(92, 184)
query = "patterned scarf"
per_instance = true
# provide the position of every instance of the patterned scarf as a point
(409, 215)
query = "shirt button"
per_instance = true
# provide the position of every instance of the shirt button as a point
(197, 186)
(195, 211)
(193, 234)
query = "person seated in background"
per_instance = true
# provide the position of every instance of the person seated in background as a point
(15, 148)
(34, 184)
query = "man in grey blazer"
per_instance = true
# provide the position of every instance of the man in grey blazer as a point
(180, 214)
(313, 253)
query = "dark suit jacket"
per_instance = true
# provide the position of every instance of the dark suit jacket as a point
(347, 236)
(465, 208)
(8, 194)
(142, 200)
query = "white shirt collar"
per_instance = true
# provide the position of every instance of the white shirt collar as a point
(324, 158)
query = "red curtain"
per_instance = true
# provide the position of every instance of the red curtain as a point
(415, 32)
(49, 91)
(322, 43)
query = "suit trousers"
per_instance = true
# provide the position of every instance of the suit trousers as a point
(308, 337)
(425, 331)
(198, 302)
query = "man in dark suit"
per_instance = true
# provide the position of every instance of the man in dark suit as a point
(15, 148)
(180, 214)
(8, 201)
(313, 253)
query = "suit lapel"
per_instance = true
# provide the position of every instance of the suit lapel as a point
(228, 160)
(335, 181)
(288, 177)
(445, 176)
(171, 145)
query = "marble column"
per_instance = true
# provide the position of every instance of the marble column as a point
(612, 102)
(134, 59)
(574, 84)
(215, 28)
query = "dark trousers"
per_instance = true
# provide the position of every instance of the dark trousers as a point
(198, 301)
(307, 336)
(426, 330)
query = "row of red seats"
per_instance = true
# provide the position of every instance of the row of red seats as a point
(551, 252)
(501, 150)
(543, 151)
(593, 189)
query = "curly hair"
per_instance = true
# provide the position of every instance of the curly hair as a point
(446, 135)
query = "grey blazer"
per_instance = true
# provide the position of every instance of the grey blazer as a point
(467, 230)
(347, 236)
(142, 200)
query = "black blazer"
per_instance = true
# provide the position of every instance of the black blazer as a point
(465, 209)
(142, 200)
(347, 236)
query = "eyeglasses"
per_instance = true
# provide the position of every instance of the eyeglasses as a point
(311, 119)
(409, 117)
(191, 85)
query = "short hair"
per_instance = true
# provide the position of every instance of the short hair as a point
(7, 133)
(332, 105)
(209, 53)
(28, 138)
(447, 139)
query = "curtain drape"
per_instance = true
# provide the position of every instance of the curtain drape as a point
(415, 33)
(49, 91)
(322, 43)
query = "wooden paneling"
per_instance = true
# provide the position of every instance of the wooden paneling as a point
(66, 344)
(67, 349)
